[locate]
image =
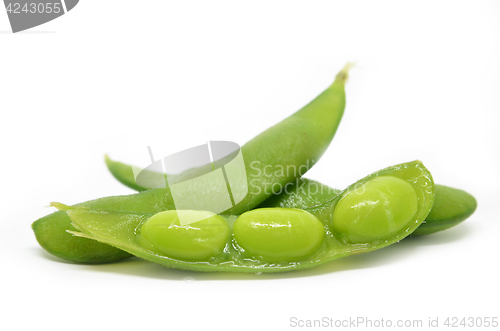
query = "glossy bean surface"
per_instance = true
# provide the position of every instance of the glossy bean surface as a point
(376, 209)
(278, 234)
(255, 249)
(185, 234)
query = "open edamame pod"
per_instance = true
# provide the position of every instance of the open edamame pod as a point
(451, 206)
(297, 142)
(375, 212)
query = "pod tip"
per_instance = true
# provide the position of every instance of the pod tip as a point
(60, 206)
(343, 75)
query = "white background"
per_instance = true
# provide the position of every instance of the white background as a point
(115, 76)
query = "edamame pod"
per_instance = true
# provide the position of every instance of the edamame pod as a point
(295, 143)
(375, 212)
(51, 233)
(302, 193)
(451, 206)
(124, 173)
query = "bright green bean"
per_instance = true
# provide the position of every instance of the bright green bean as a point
(185, 235)
(278, 235)
(276, 251)
(379, 208)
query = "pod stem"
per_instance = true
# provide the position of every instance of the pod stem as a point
(343, 75)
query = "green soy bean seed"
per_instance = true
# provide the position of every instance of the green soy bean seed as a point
(246, 253)
(378, 208)
(298, 142)
(278, 235)
(185, 234)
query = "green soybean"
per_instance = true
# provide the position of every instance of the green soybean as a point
(185, 234)
(282, 239)
(296, 142)
(278, 235)
(378, 208)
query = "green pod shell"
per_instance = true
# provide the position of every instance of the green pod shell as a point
(52, 235)
(302, 193)
(123, 173)
(298, 141)
(451, 207)
(119, 229)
